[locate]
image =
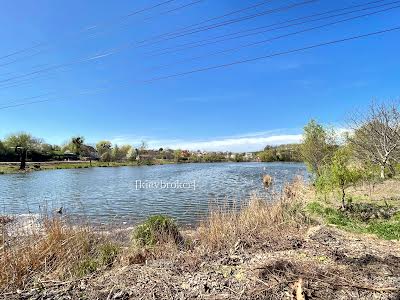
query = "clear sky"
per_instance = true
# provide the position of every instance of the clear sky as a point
(237, 108)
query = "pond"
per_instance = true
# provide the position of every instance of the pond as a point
(127, 195)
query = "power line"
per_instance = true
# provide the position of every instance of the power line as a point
(87, 29)
(97, 33)
(129, 45)
(157, 15)
(282, 36)
(141, 11)
(160, 51)
(227, 14)
(277, 37)
(238, 62)
(229, 22)
(213, 18)
(272, 55)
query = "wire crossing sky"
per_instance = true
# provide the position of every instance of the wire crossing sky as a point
(233, 75)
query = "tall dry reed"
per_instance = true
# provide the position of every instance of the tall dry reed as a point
(256, 221)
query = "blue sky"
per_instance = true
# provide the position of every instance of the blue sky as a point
(240, 108)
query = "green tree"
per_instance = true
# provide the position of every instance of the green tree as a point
(106, 157)
(77, 143)
(103, 147)
(123, 151)
(317, 147)
(177, 154)
(132, 154)
(115, 153)
(2, 148)
(22, 143)
(268, 155)
(338, 175)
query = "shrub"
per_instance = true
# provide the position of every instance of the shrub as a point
(157, 229)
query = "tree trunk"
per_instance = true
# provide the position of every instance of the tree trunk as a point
(382, 172)
(392, 170)
(343, 199)
(23, 160)
(90, 161)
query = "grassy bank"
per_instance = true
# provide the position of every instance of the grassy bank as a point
(33, 167)
(372, 209)
(286, 249)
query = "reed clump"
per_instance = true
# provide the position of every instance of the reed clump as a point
(56, 252)
(256, 221)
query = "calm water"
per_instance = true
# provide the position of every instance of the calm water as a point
(129, 194)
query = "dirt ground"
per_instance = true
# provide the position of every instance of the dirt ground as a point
(322, 263)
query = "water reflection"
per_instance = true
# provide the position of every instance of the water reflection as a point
(110, 195)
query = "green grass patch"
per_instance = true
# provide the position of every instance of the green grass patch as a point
(9, 169)
(108, 253)
(103, 257)
(157, 229)
(385, 226)
(87, 266)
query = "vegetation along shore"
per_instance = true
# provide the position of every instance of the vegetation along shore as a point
(337, 237)
(21, 152)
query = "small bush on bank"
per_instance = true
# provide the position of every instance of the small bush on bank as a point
(157, 229)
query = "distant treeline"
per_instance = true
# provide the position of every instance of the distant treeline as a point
(286, 153)
(24, 147)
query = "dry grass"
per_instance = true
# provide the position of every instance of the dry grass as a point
(256, 221)
(55, 253)
(388, 190)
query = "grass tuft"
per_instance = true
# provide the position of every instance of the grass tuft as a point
(155, 230)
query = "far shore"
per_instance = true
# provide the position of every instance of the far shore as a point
(13, 167)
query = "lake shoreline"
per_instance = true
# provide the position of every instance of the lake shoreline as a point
(13, 167)
(292, 252)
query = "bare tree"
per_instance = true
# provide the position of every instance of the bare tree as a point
(376, 136)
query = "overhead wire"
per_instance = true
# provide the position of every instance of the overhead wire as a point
(163, 50)
(276, 37)
(238, 62)
(129, 45)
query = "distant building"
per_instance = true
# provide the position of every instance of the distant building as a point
(67, 155)
(248, 156)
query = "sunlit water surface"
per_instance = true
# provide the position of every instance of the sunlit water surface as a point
(115, 195)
